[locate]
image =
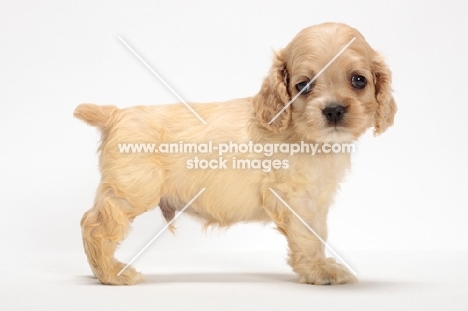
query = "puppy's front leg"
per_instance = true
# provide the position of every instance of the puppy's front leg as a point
(306, 252)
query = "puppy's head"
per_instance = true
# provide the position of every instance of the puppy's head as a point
(332, 99)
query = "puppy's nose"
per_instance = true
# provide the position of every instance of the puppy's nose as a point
(334, 113)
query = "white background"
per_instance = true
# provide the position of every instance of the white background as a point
(407, 188)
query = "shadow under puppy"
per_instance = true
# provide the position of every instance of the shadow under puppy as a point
(350, 96)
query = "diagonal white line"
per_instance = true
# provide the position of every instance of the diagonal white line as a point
(313, 79)
(160, 232)
(313, 231)
(161, 79)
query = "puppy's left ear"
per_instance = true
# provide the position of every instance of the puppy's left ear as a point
(273, 97)
(386, 108)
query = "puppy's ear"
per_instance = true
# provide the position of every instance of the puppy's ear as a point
(386, 108)
(273, 97)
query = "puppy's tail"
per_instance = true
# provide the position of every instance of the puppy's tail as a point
(98, 116)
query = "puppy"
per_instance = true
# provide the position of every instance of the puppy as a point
(351, 95)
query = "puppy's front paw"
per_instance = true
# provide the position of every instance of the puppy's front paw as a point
(328, 272)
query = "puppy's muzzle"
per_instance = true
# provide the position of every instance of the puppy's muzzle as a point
(334, 113)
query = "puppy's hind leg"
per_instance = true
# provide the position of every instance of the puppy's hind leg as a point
(103, 227)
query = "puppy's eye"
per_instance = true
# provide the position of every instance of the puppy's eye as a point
(358, 82)
(305, 87)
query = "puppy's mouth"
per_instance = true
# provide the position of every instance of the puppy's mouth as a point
(337, 134)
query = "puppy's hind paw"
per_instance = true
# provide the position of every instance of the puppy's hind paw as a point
(128, 277)
(328, 273)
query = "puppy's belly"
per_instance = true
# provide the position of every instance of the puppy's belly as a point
(229, 197)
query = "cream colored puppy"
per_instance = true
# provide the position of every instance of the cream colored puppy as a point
(350, 96)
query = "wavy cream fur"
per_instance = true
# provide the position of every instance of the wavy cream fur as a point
(131, 184)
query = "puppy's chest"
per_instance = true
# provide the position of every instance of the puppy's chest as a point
(316, 169)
